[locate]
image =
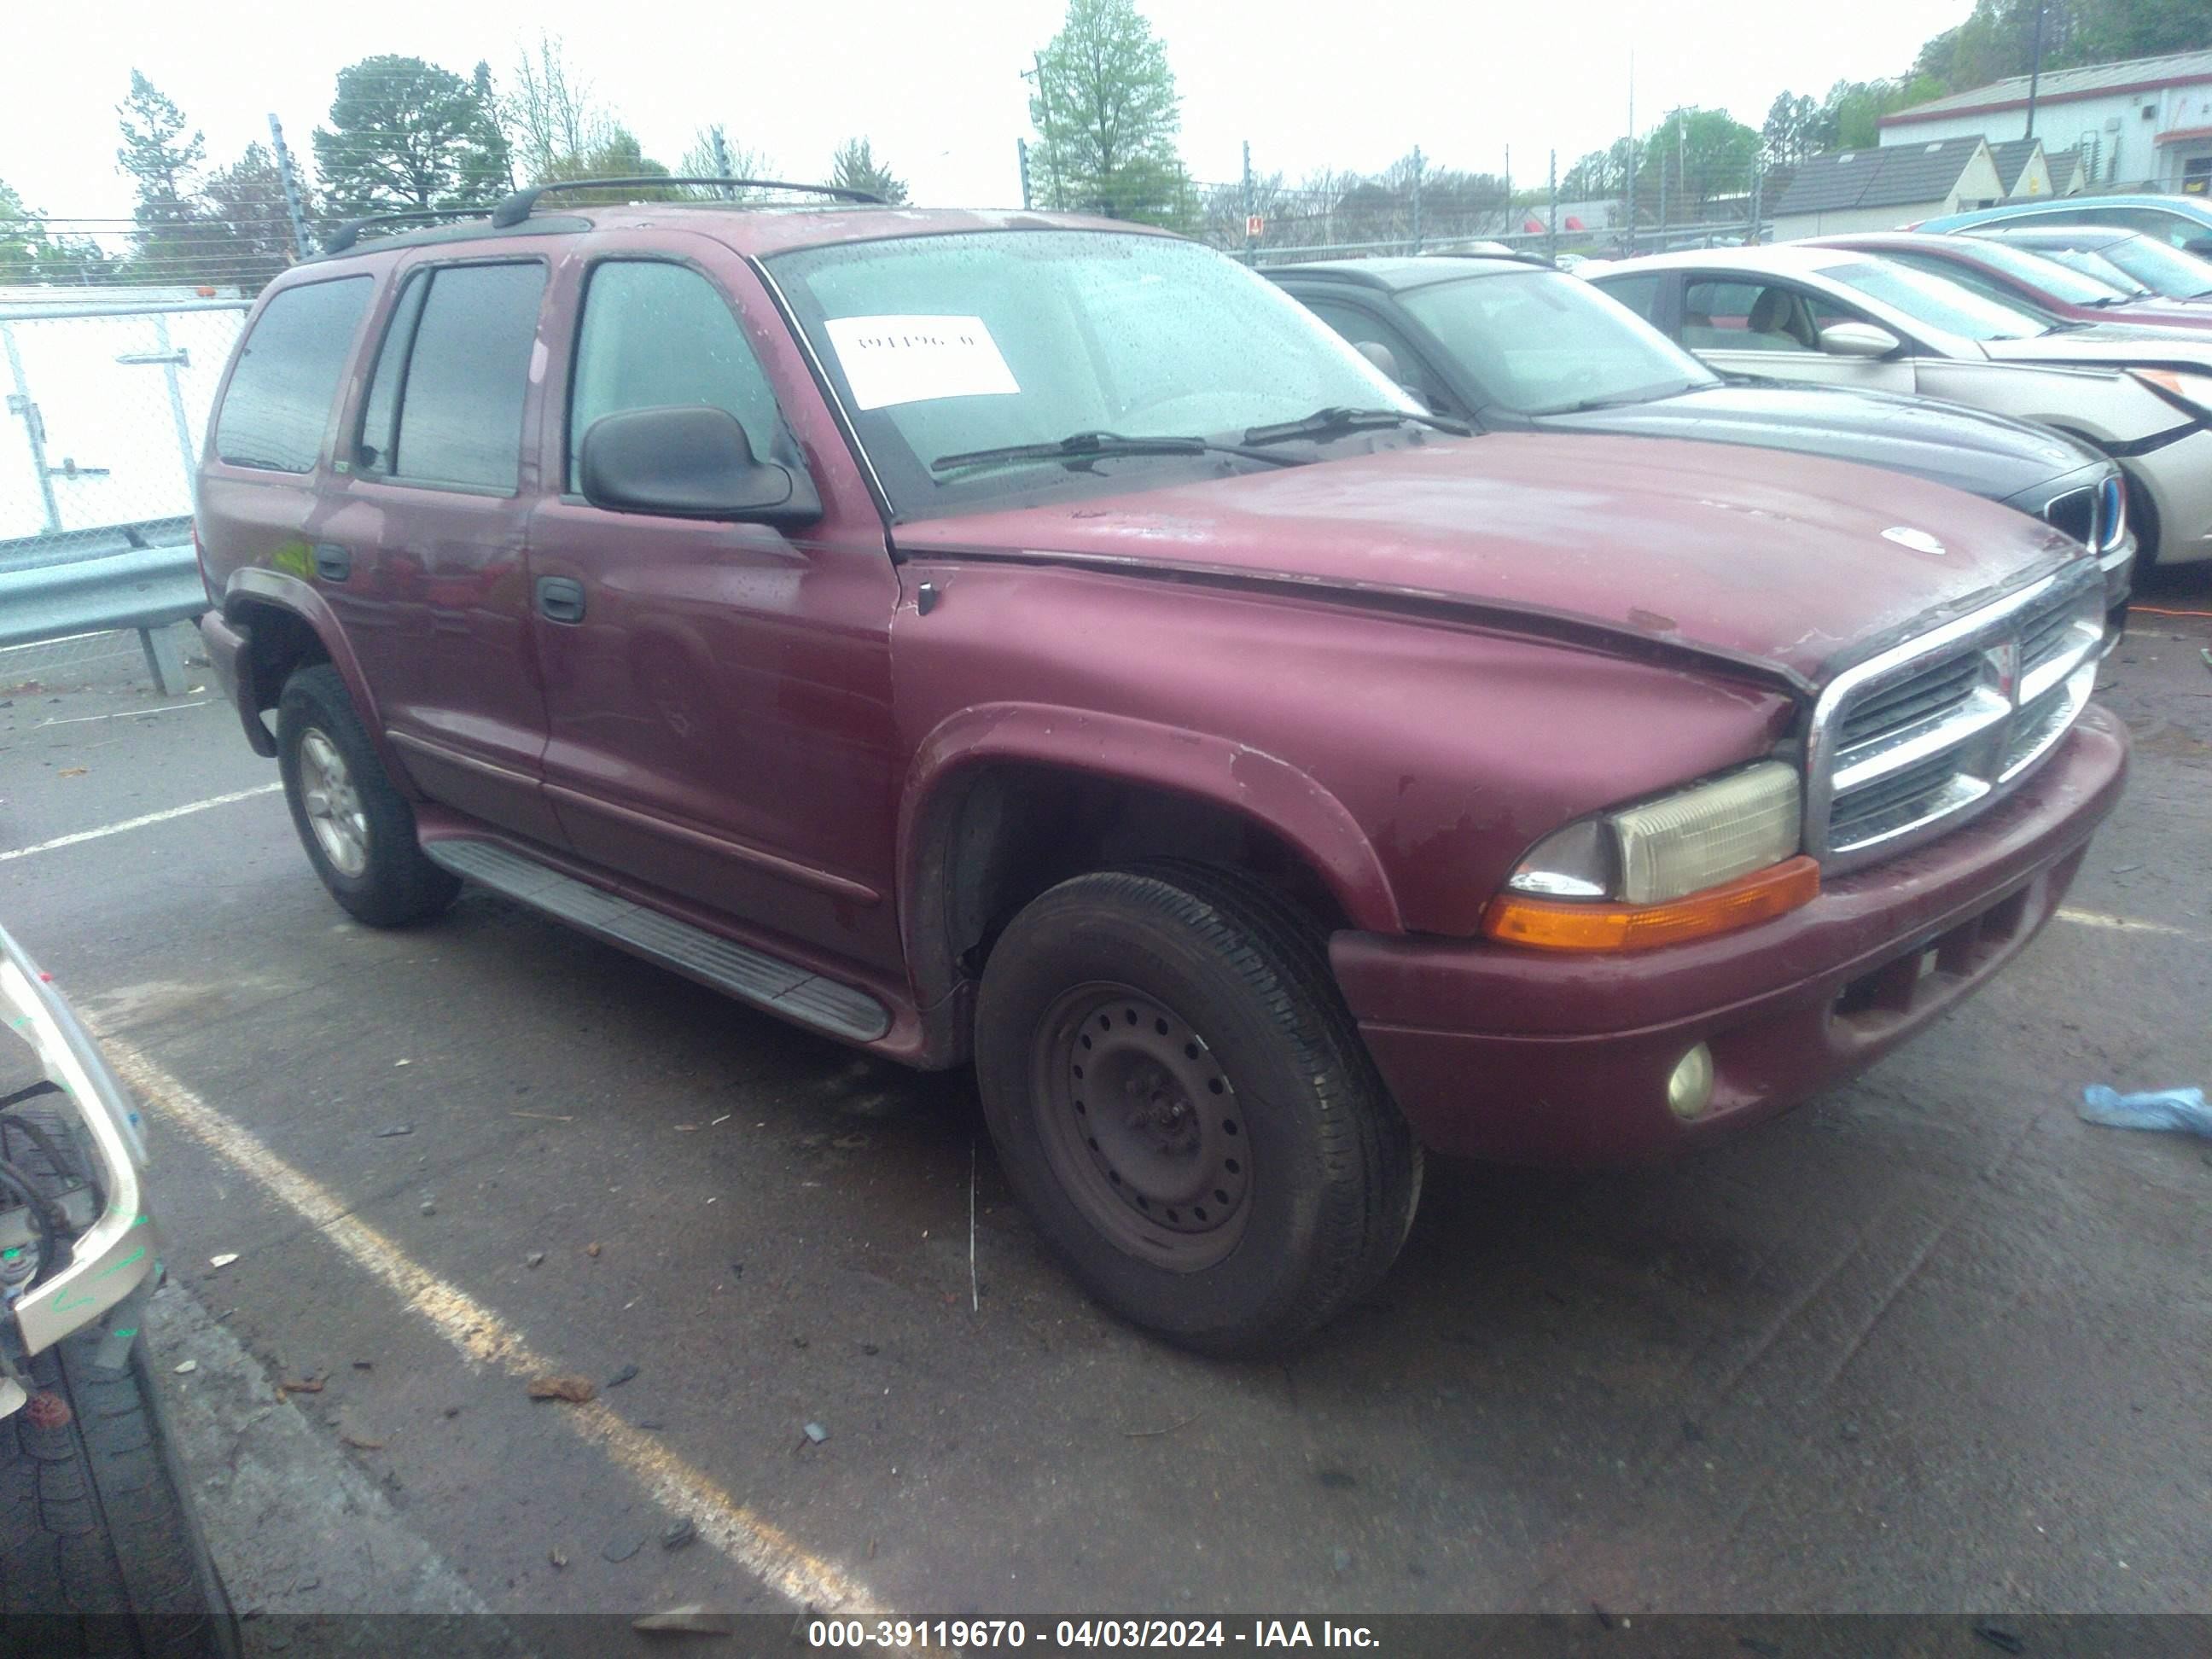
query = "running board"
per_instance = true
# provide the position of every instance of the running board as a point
(749, 975)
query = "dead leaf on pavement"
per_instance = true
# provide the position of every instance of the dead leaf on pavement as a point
(575, 1389)
(302, 1385)
(72, 772)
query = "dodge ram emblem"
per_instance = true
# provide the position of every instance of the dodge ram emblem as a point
(1918, 540)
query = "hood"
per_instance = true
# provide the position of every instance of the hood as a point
(2162, 314)
(2110, 345)
(1785, 564)
(1983, 454)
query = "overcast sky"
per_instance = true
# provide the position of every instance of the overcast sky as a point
(936, 88)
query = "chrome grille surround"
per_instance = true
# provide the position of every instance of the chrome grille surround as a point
(2075, 514)
(1910, 743)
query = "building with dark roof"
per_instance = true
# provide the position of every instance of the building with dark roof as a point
(1880, 189)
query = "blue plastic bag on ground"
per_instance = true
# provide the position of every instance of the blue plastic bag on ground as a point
(2167, 1108)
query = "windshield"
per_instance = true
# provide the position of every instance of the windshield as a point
(947, 345)
(2163, 269)
(2041, 271)
(1539, 342)
(1938, 302)
(2096, 265)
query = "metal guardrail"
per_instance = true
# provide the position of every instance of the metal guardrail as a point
(145, 588)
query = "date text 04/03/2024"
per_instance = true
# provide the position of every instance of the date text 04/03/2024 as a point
(970, 1635)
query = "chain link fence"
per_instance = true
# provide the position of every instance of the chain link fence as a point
(106, 396)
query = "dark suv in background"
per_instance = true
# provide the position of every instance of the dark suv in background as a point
(1037, 641)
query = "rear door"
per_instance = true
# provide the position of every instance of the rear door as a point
(421, 552)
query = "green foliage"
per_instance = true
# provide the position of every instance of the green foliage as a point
(407, 137)
(1697, 153)
(1106, 112)
(251, 230)
(30, 254)
(855, 167)
(157, 154)
(1997, 39)
(618, 155)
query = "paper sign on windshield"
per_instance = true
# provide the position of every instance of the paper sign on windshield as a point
(905, 360)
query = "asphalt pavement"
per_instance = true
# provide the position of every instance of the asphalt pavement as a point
(1930, 1343)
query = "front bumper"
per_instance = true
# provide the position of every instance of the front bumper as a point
(1499, 1052)
(119, 1252)
(2178, 478)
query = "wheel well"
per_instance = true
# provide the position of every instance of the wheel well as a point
(1016, 830)
(283, 643)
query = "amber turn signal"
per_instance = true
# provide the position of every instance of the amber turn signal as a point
(1551, 925)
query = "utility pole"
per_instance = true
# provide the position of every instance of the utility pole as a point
(721, 158)
(1416, 198)
(1631, 154)
(1757, 214)
(1044, 131)
(1248, 202)
(2034, 73)
(1552, 223)
(1022, 153)
(302, 238)
(1508, 188)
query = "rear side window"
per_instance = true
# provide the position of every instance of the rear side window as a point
(444, 405)
(280, 397)
(656, 335)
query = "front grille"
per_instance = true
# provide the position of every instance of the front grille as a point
(2073, 513)
(1906, 745)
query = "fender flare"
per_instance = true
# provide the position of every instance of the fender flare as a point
(253, 586)
(1251, 784)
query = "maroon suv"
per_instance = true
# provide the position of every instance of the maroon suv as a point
(1036, 641)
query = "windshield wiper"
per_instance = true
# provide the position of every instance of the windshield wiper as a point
(1334, 420)
(1086, 445)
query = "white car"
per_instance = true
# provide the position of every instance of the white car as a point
(1839, 318)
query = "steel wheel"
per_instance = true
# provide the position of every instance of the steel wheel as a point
(333, 804)
(1142, 1126)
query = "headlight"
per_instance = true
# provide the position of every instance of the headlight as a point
(2193, 391)
(1719, 854)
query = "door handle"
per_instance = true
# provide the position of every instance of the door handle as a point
(560, 600)
(333, 564)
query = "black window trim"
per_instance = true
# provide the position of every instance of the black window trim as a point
(1430, 360)
(1908, 346)
(405, 275)
(571, 497)
(326, 446)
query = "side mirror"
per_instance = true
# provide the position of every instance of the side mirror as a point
(2199, 246)
(1857, 340)
(689, 462)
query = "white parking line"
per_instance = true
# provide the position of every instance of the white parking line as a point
(484, 1339)
(2120, 924)
(141, 823)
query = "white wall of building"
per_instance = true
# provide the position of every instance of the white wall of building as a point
(1836, 221)
(2122, 126)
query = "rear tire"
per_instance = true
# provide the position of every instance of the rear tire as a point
(357, 828)
(1180, 1099)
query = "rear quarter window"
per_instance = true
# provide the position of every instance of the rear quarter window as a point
(278, 404)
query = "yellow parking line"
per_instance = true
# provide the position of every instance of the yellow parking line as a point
(484, 1338)
(2120, 924)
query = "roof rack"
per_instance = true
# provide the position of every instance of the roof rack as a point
(349, 233)
(517, 208)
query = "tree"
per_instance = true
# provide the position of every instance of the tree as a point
(1698, 154)
(618, 155)
(855, 167)
(550, 115)
(408, 136)
(157, 154)
(163, 160)
(1786, 139)
(1106, 112)
(249, 223)
(730, 160)
(31, 253)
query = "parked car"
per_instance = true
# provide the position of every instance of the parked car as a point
(1037, 639)
(96, 1520)
(2174, 275)
(2021, 271)
(1846, 318)
(1518, 348)
(2181, 222)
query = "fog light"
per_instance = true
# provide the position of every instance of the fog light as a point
(1690, 1090)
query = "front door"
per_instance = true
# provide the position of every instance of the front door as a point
(422, 553)
(718, 694)
(1756, 325)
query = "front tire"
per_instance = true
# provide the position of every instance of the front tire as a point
(1182, 1101)
(357, 828)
